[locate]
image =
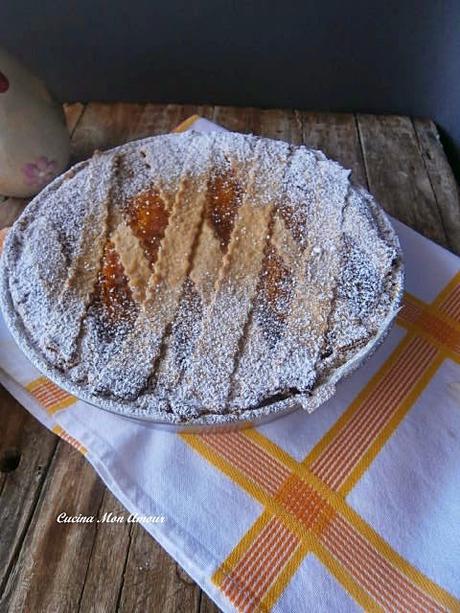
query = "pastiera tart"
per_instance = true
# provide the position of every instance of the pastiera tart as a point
(201, 278)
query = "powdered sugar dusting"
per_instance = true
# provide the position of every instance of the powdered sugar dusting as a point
(274, 276)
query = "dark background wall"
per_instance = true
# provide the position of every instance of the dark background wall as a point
(393, 56)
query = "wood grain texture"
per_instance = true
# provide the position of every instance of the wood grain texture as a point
(10, 209)
(153, 581)
(396, 173)
(272, 123)
(337, 135)
(119, 567)
(73, 113)
(104, 126)
(207, 605)
(26, 450)
(105, 572)
(234, 119)
(51, 567)
(442, 180)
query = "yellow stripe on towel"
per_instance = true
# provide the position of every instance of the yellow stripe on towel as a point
(51, 397)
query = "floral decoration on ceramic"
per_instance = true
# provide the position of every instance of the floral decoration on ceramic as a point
(39, 172)
(4, 83)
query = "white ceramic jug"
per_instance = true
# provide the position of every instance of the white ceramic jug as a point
(34, 140)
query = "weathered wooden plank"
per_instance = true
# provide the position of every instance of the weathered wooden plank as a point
(73, 113)
(161, 119)
(337, 135)
(396, 173)
(278, 124)
(153, 581)
(104, 575)
(234, 118)
(10, 209)
(207, 605)
(51, 567)
(445, 187)
(26, 449)
(104, 126)
(272, 123)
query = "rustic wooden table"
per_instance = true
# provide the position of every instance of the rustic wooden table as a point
(46, 566)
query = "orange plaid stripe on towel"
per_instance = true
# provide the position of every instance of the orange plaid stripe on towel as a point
(305, 508)
(51, 397)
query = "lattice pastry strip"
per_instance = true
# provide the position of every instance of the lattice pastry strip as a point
(304, 279)
(208, 375)
(254, 375)
(133, 260)
(166, 158)
(79, 286)
(360, 284)
(313, 302)
(285, 268)
(209, 372)
(163, 290)
(225, 187)
(138, 216)
(146, 196)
